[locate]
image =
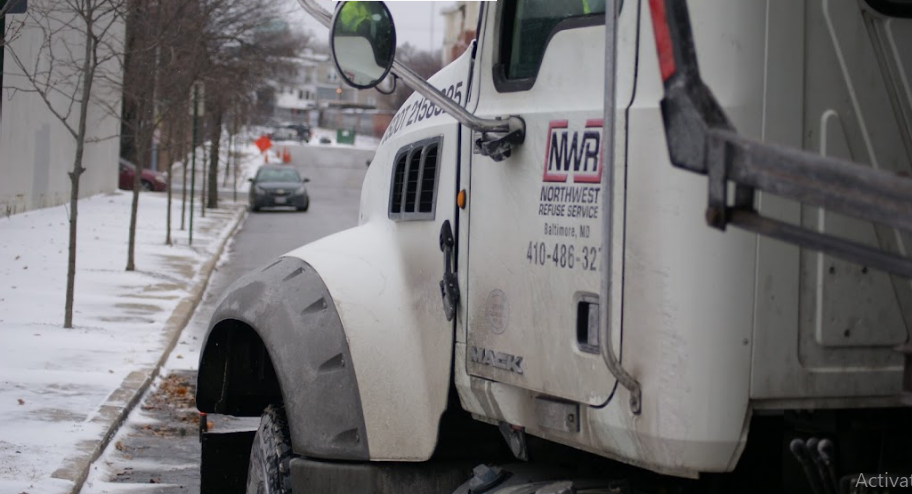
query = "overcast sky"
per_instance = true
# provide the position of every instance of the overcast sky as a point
(417, 22)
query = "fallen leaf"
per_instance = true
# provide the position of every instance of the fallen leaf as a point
(118, 446)
(21, 401)
(209, 425)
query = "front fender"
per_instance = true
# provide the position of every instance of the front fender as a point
(285, 311)
(384, 278)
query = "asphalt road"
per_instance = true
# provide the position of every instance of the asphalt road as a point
(158, 450)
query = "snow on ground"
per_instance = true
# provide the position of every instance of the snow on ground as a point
(53, 381)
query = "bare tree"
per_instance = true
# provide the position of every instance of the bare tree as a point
(161, 39)
(229, 45)
(78, 38)
(247, 47)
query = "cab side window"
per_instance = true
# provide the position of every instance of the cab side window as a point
(528, 26)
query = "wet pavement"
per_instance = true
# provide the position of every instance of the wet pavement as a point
(157, 451)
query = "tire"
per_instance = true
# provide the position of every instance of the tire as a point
(146, 185)
(254, 209)
(268, 471)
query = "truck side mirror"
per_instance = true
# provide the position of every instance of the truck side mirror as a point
(362, 40)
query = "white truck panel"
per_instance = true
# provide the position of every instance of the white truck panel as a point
(383, 276)
(826, 329)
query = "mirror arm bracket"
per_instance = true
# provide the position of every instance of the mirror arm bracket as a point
(498, 145)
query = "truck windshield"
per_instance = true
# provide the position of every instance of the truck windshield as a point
(532, 24)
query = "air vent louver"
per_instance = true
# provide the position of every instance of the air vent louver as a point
(413, 194)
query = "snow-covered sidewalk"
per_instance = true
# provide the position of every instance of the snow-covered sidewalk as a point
(63, 391)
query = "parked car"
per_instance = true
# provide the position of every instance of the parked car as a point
(150, 180)
(278, 186)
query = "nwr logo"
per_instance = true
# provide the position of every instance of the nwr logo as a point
(574, 152)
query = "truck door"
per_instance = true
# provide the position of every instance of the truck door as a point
(534, 219)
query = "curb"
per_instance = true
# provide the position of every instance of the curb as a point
(124, 399)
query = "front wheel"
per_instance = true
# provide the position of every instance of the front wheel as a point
(269, 471)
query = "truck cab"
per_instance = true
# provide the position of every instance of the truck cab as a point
(466, 336)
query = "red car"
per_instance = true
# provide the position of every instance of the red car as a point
(150, 180)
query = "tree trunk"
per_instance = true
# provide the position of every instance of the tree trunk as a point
(74, 212)
(228, 161)
(216, 137)
(88, 77)
(141, 151)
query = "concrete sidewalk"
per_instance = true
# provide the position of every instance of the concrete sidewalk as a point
(64, 393)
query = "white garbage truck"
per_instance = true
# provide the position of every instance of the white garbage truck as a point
(616, 246)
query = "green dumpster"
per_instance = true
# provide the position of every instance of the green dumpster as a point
(345, 136)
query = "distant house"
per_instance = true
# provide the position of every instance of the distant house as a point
(460, 23)
(315, 86)
(316, 96)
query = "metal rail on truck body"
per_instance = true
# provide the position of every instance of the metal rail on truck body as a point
(612, 361)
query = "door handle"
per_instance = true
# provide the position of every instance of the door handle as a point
(449, 285)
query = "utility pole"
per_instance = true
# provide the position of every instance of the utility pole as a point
(232, 152)
(205, 177)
